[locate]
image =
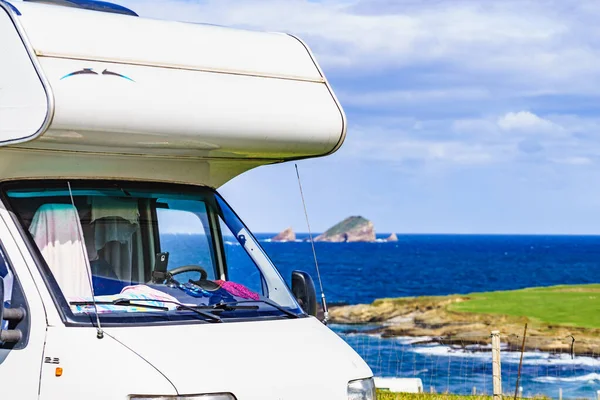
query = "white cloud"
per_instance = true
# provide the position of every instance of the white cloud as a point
(399, 146)
(525, 42)
(475, 126)
(476, 142)
(528, 122)
(395, 98)
(573, 160)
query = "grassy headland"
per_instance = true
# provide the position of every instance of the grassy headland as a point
(552, 313)
(383, 395)
(577, 306)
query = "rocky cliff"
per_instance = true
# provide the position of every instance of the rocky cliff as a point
(352, 229)
(432, 320)
(287, 235)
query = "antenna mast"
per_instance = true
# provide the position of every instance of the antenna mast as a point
(312, 243)
(99, 331)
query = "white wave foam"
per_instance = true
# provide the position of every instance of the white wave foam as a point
(583, 378)
(482, 352)
(512, 357)
(363, 334)
(482, 347)
(412, 339)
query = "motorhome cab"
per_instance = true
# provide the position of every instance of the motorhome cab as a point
(124, 274)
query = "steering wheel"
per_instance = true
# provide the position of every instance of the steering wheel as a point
(187, 268)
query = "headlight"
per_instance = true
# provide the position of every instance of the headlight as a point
(214, 396)
(363, 389)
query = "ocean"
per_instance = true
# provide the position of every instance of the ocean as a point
(418, 265)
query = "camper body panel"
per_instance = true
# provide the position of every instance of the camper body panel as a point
(26, 102)
(18, 163)
(134, 89)
(170, 44)
(96, 369)
(150, 110)
(20, 365)
(295, 359)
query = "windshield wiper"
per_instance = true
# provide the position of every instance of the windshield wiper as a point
(135, 302)
(118, 302)
(210, 316)
(222, 306)
(235, 305)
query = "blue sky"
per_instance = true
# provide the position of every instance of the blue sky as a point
(464, 116)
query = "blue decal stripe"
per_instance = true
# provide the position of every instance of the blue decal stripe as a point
(83, 71)
(90, 71)
(11, 6)
(94, 5)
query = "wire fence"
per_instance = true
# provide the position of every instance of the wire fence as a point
(552, 367)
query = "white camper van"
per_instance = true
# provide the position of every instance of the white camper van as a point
(124, 274)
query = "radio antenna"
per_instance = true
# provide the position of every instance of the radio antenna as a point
(312, 243)
(99, 331)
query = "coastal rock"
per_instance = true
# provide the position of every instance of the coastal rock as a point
(352, 229)
(432, 320)
(392, 238)
(287, 235)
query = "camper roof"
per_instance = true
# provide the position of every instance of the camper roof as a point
(109, 87)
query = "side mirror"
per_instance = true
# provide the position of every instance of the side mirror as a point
(1, 303)
(303, 289)
(9, 314)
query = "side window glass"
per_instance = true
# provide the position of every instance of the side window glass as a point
(185, 235)
(240, 267)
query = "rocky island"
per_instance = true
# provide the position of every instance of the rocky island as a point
(352, 229)
(287, 235)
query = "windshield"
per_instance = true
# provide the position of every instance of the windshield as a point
(147, 253)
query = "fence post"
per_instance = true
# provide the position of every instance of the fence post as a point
(496, 367)
(559, 393)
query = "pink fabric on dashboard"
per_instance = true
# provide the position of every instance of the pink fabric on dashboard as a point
(238, 290)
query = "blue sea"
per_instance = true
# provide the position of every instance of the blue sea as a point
(419, 265)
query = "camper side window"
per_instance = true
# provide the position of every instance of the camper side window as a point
(240, 267)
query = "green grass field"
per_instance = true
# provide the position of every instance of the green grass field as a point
(382, 395)
(577, 306)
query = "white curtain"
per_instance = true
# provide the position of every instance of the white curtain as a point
(57, 231)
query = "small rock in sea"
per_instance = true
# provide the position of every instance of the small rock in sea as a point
(392, 238)
(287, 235)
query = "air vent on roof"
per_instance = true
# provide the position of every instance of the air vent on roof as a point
(95, 5)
